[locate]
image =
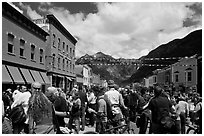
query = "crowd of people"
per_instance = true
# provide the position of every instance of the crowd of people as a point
(57, 112)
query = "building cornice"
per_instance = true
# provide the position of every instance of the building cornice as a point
(14, 15)
(53, 20)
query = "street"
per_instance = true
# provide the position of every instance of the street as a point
(132, 125)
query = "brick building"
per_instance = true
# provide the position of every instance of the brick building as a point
(23, 50)
(60, 53)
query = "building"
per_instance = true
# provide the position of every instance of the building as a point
(60, 53)
(96, 79)
(164, 76)
(23, 50)
(85, 71)
(79, 75)
(199, 78)
(185, 72)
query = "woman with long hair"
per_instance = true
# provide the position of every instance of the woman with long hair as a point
(40, 112)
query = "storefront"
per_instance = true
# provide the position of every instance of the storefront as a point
(13, 76)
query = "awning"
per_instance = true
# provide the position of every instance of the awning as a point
(27, 75)
(16, 75)
(46, 79)
(37, 76)
(5, 75)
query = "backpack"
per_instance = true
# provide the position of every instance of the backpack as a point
(165, 120)
(108, 108)
(6, 126)
(17, 115)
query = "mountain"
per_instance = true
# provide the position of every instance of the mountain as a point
(118, 72)
(187, 46)
(126, 74)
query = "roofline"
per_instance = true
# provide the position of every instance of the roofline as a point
(6, 6)
(57, 24)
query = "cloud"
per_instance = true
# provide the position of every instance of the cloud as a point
(17, 8)
(45, 3)
(128, 30)
(30, 12)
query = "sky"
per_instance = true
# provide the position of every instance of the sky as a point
(120, 29)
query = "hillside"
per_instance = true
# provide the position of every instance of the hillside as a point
(187, 46)
(118, 73)
(125, 74)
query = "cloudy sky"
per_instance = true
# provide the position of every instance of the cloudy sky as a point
(120, 29)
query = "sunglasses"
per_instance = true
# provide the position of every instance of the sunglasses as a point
(36, 88)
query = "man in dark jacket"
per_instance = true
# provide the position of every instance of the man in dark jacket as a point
(158, 105)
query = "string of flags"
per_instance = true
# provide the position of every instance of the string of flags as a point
(136, 62)
(150, 65)
(132, 60)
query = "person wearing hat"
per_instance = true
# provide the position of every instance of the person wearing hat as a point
(115, 100)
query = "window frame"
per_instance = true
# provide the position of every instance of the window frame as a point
(59, 42)
(34, 52)
(41, 55)
(11, 43)
(22, 47)
(53, 40)
(53, 60)
(189, 73)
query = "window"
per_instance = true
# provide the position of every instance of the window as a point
(63, 64)
(176, 78)
(32, 57)
(70, 66)
(166, 78)
(73, 53)
(58, 43)
(53, 42)
(22, 47)
(155, 79)
(70, 51)
(73, 67)
(63, 46)
(10, 43)
(67, 49)
(58, 62)
(67, 65)
(41, 55)
(189, 76)
(53, 60)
